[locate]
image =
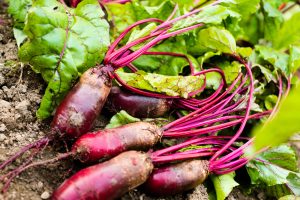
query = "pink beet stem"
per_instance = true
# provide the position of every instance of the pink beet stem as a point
(192, 114)
(247, 114)
(124, 33)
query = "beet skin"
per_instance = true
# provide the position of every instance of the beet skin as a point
(104, 144)
(137, 105)
(177, 178)
(108, 180)
(77, 112)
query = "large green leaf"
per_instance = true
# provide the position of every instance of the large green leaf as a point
(183, 4)
(283, 125)
(244, 7)
(213, 39)
(278, 59)
(212, 15)
(62, 44)
(289, 33)
(224, 184)
(170, 85)
(276, 167)
(18, 9)
(272, 19)
(123, 15)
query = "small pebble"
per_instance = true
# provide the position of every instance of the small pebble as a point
(45, 195)
(40, 185)
(22, 105)
(2, 79)
(2, 137)
(5, 104)
(2, 128)
(19, 137)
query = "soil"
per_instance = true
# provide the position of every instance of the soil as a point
(20, 94)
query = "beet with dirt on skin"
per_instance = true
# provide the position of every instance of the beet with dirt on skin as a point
(137, 105)
(177, 178)
(108, 180)
(77, 112)
(104, 144)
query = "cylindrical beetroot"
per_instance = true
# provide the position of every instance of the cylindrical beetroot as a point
(108, 180)
(77, 112)
(137, 105)
(105, 144)
(177, 178)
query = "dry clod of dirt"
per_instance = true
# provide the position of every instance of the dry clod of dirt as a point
(198, 193)
(45, 195)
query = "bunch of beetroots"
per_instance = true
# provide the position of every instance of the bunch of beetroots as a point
(74, 116)
(111, 179)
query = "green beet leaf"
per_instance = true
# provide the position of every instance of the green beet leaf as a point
(244, 7)
(278, 59)
(121, 118)
(18, 9)
(273, 19)
(231, 70)
(276, 167)
(183, 4)
(62, 44)
(289, 33)
(211, 15)
(169, 85)
(213, 80)
(213, 39)
(123, 15)
(223, 184)
(270, 101)
(283, 125)
(20, 36)
(268, 74)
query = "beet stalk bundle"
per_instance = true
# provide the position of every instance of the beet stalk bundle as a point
(168, 180)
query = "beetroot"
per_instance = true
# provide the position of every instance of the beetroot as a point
(105, 144)
(177, 178)
(137, 105)
(76, 114)
(108, 180)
